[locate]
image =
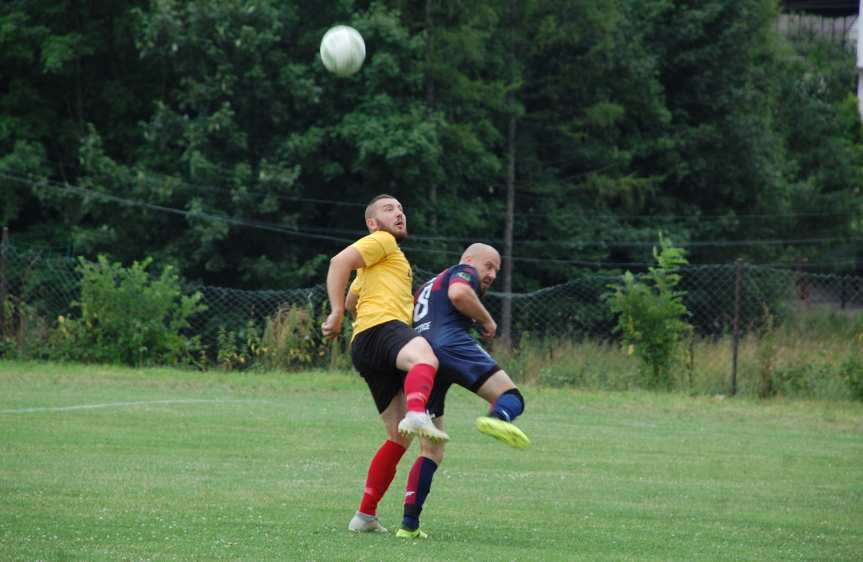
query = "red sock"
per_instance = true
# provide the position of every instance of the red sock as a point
(382, 470)
(418, 386)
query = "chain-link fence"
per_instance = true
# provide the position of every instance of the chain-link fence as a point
(718, 298)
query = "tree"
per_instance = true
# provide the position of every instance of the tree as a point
(818, 119)
(718, 66)
(64, 65)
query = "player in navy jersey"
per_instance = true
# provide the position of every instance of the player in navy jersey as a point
(445, 309)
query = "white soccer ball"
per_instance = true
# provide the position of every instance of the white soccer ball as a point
(343, 50)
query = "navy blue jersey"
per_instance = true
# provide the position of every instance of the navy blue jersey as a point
(461, 359)
(435, 317)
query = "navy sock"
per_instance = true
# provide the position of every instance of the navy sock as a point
(508, 405)
(419, 484)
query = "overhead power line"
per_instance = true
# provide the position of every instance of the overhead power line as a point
(305, 233)
(590, 217)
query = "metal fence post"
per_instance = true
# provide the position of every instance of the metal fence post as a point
(736, 336)
(4, 248)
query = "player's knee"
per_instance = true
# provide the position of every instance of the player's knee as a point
(426, 353)
(509, 405)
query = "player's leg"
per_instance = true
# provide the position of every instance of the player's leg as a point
(470, 366)
(369, 356)
(507, 403)
(419, 484)
(418, 360)
(382, 469)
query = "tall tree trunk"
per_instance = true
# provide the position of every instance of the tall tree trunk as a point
(430, 99)
(506, 312)
(506, 308)
(79, 79)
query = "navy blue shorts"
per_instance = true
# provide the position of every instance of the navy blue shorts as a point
(374, 352)
(463, 362)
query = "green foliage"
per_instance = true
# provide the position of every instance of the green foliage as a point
(232, 350)
(852, 371)
(767, 351)
(128, 316)
(821, 127)
(215, 125)
(289, 339)
(286, 340)
(23, 331)
(651, 314)
(802, 379)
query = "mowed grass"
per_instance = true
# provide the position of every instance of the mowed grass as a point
(101, 463)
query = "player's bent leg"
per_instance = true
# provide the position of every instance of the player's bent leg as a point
(417, 350)
(418, 359)
(507, 403)
(495, 386)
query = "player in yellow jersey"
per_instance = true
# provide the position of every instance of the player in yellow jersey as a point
(398, 365)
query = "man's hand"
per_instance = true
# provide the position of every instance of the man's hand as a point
(332, 326)
(488, 329)
(465, 300)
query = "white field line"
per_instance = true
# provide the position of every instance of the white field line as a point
(124, 404)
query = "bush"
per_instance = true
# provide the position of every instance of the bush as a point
(852, 371)
(767, 352)
(288, 340)
(23, 333)
(237, 350)
(801, 380)
(650, 315)
(128, 316)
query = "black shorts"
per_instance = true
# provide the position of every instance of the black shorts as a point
(374, 352)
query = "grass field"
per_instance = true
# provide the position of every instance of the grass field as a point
(101, 463)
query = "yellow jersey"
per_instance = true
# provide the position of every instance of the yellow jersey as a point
(384, 285)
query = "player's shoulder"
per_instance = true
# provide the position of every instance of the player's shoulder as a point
(380, 239)
(379, 236)
(463, 271)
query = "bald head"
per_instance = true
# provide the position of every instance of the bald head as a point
(485, 259)
(478, 249)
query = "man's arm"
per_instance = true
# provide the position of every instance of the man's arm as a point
(338, 275)
(466, 301)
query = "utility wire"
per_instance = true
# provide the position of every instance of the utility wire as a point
(699, 218)
(273, 227)
(265, 225)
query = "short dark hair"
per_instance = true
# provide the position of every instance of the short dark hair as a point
(375, 200)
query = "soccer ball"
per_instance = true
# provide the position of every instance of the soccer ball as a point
(343, 50)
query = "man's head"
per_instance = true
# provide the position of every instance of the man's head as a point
(486, 261)
(384, 212)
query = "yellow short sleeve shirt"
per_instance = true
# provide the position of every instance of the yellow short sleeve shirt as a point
(384, 285)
